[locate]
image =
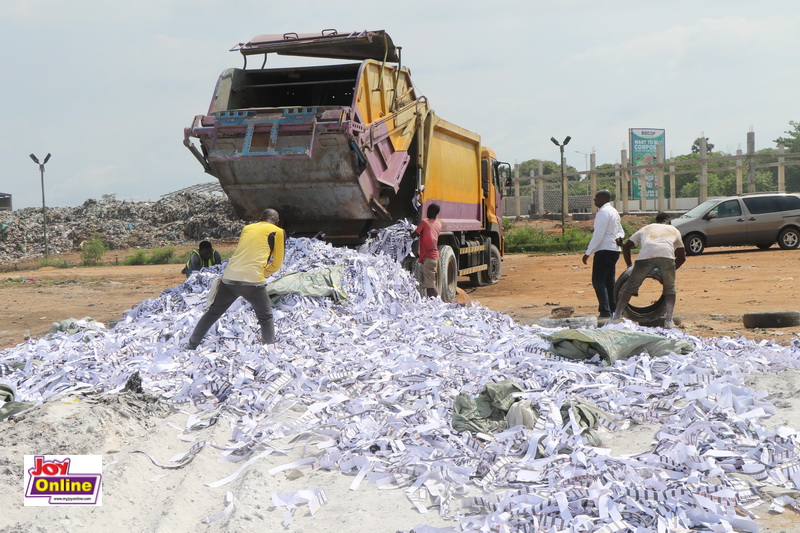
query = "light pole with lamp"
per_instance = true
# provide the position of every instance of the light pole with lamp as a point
(564, 189)
(44, 208)
(586, 156)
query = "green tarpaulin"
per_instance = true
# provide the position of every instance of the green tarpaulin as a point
(613, 344)
(324, 282)
(500, 405)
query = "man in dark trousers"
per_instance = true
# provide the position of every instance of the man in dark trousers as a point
(428, 232)
(258, 255)
(203, 257)
(662, 248)
(607, 229)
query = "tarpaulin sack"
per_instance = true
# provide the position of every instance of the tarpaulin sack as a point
(324, 282)
(613, 344)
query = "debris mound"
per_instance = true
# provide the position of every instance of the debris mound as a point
(174, 219)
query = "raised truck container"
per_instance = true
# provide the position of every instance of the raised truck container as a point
(342, 149)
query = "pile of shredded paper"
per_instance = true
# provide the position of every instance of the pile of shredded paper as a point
(377, 376)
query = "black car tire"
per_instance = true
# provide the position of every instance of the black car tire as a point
(694, 243)
(764, 245)
(789, 238)
(772, 319)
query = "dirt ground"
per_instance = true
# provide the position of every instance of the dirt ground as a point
(714, 290)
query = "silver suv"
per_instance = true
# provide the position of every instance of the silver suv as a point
(754, 219)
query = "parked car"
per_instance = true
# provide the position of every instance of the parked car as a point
(759, 219)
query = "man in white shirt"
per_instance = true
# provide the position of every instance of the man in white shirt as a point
(661, 248)
(607, 229)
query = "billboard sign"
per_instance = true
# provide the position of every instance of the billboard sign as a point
(644, 143)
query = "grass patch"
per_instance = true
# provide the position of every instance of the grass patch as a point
(56, 263)
(522, 238)
(159, 256)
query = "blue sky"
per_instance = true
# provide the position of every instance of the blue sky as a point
(107, 87)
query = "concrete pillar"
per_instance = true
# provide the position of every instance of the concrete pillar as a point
(533, 191)
(751, 162)
(541, 189)
(516, 191)
(781, 169)
(739, 171)
(623, 157)
(703, 196)
(673, 194)
(592, 180)
(660, 178)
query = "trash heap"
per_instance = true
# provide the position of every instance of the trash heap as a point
(375, 380)
(174, 219)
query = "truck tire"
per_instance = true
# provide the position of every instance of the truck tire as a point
(789, 238)
(491, 275)
(650, 315)
(694, 244)
(447, 276)
(774, 319)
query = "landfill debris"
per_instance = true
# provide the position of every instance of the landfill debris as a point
(178, 218)
(375, 380)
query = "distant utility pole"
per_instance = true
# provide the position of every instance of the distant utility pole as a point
(586, 156)
(44, 208)
(564, 187)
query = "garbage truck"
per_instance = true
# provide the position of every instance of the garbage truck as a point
(343, 148)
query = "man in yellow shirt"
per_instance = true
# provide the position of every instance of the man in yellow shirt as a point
(259, 254)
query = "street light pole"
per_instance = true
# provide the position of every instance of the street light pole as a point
(44, 208)
(586, 156)
(564, 187)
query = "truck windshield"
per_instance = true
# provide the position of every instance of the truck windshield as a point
(700, 209)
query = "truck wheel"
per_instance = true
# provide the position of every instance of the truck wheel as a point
(694, 244)
(648, 315)
(492, 274)
(774, 319)
(447, 276)
(789, 238)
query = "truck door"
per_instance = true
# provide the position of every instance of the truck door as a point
(493, 189)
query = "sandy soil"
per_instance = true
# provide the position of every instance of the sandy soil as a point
(715, 290)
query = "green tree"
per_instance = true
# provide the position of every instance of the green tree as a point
(548, 167)
(792, 144)
(93, 250)
(792, 139)
(696, 145)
